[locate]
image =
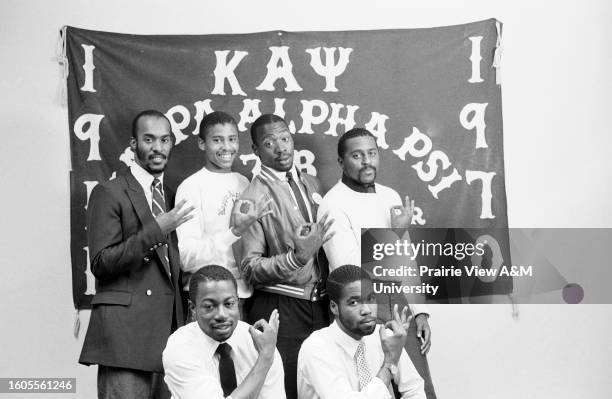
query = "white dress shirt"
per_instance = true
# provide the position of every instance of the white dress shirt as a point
(145, 179)
(192, 367)
(327, 370)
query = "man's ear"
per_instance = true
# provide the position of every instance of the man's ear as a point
(334, 308)
(340, 162)
(255, 149)
(133, 144)
(201, 144)
(191, 309)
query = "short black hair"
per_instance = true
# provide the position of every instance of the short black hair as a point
(355, 132)
(209, 273)
(263, 120)
(147, 113)
(215, 118)
(339, 278)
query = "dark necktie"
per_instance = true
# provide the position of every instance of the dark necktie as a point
(227, 373)
(158, 206)
(298, 196)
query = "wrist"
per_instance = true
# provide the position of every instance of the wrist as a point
(385, 375)
(390, 359)
(391, 367)
(301, 258)
(266, 358)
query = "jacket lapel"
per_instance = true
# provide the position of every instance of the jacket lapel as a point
(141, 206)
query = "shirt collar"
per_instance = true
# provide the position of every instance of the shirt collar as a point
(143, 177)
(356, 186)
(281, 175)
(345, 341)
(212, 344)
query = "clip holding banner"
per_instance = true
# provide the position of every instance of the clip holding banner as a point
(497, 54)
(62, 60)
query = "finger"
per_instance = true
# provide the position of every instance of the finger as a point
(183, 212)
(266, 213)
(260, 324)
(263, 203)
(185, 218)
(396, 315)
(273, 316)
(396, 327)
(236, 206)
(328, 225)
(425, 345)
(323, 219)
(298, 231)
(254, 332)
(328, 237)
(180, 203)
(407, 202)
(405, 315)
(382, 331)
(407, 322)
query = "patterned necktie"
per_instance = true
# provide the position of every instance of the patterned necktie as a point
(363, 371)
(298, 196)
(158, 206)
(227, 373)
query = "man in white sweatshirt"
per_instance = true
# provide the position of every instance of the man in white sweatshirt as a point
(357, 201)
(217, 224)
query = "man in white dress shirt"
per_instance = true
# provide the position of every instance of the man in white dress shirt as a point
(219, 356)
(358, 201)
(354, 357)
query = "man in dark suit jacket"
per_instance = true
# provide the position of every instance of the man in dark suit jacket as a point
(135, 260)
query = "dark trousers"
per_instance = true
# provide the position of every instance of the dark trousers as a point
(413, 348)
(298, 319)
(413, 343)
(120, 383)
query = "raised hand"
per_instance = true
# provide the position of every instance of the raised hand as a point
(423, 332)
(246, 212)
(401, 216)
(309, 237)
(403, 319)
(264, 335)
(392, 344)
(169, 221)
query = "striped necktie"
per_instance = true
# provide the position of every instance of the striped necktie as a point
(298, 196)
(363, 371)
(158, 206)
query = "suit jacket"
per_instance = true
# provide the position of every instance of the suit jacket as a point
(135, 302)
(268, 262)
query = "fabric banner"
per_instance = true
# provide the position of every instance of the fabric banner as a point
(431, 97)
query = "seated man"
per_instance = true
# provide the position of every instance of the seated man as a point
(218, 355)
(354, 356)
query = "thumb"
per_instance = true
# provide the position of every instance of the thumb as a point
(382, 331)
(254, 332)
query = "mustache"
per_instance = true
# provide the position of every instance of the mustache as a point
(366, 168)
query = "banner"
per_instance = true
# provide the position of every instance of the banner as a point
(431, 97)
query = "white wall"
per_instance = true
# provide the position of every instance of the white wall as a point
(557, 90)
